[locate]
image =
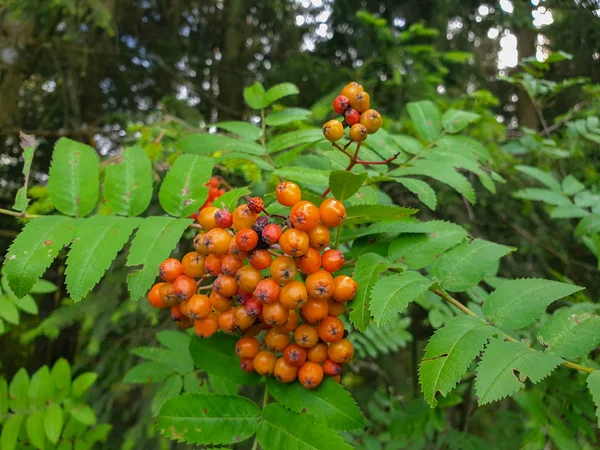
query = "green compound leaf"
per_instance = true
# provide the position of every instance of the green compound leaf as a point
(182, 191)
(8, 311)
(61, 378)
(466, 264)
(18, 391)
(593, 383)
(255, 96)
(588, 225)
(455, 120)
(543, 195)
(329, 403)
(518, 303)
(53, 422)
(28, 144)
(497, 372)
(40, 388)
(244, 130)
(571, 333)
(293, 138)
(35, 429)
(545, 178)
(422, 190)
(205, 144)
(422, 243)
(178, 362)
(153, 242)
(73, 181)
(128, 185)
(287, 115)
(148, 372)
(391, 295)
(282, 429)
(98, 241)
(426, 119)
(376, 213)
(169, 389)
(304, 175)
(449, 353)
(345, 184)
(34, 249)
(82, 383)
(204, 419)
(571, 185)
(10, 432)
(279, 91)
(229, 199)
(366, 273)
(216, 356)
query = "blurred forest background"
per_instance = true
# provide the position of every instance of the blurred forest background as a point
(111, 73)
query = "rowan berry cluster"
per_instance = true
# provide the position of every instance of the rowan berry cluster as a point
(354, 104)
(270, 281)
(214, 192)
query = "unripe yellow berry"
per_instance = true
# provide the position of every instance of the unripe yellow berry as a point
(360, 101)
(352, 88)
(333, 130)
(372, 120)
(358, 132)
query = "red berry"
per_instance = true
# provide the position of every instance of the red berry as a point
(254, 307)
(223, 218)
(352, 117)
(214, 181)
(256, 205)
(340, 104)
(272, 233)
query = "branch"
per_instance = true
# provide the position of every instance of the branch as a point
(20, 215)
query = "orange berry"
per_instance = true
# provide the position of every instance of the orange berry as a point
(267, 290)
(206, 218)
(294, 242)
(247, 364)
(304, 215)
(318, 353)
(264, 362)
(247, 347)
(236, 251)
(283, 269)
(295, 355)
(213, 265)
(219, 302)
(293, 295)
(333, 212)
(333, 130)
(310, 262)
(288, 193)
(170, 269)
(183, 307)
(318, 237)
(360, 101)
(345, 288)
(336, 308)
(207, 326)
(184, 287)
(277, 339)
(306, 336)
(284, 372)
(199, 306)
(216, 241)
(243, 217)
(260, 259)
(330, 329)
(193, 265)
(230, 264)
(310, 374)
(246, 239)
(167, 294)
(332, 260)
(332, 368)
(199, 244)
(176, 313)
(275, 313)
(247, 278)
(271, 233)
(320, 284)
(242, 320)
(292, 322)
(358, 132)
(223, 218)
(154, 296)
(352, 88)
(341, 351)
(225, 321)
(315, 309)
(372, 120)
(225, 285)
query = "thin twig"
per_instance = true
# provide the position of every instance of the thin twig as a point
(20, 215)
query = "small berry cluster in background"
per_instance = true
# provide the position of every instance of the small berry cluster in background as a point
(214, 192)
(271, 282)
(354, 104)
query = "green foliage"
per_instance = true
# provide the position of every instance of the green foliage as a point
(29, 145)
(73, 181)
(426, 119)
(128, 185)
(383, 339)
(366, 272)
(571, 332)
(497, 372)
(345, 184)
(47, 408)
